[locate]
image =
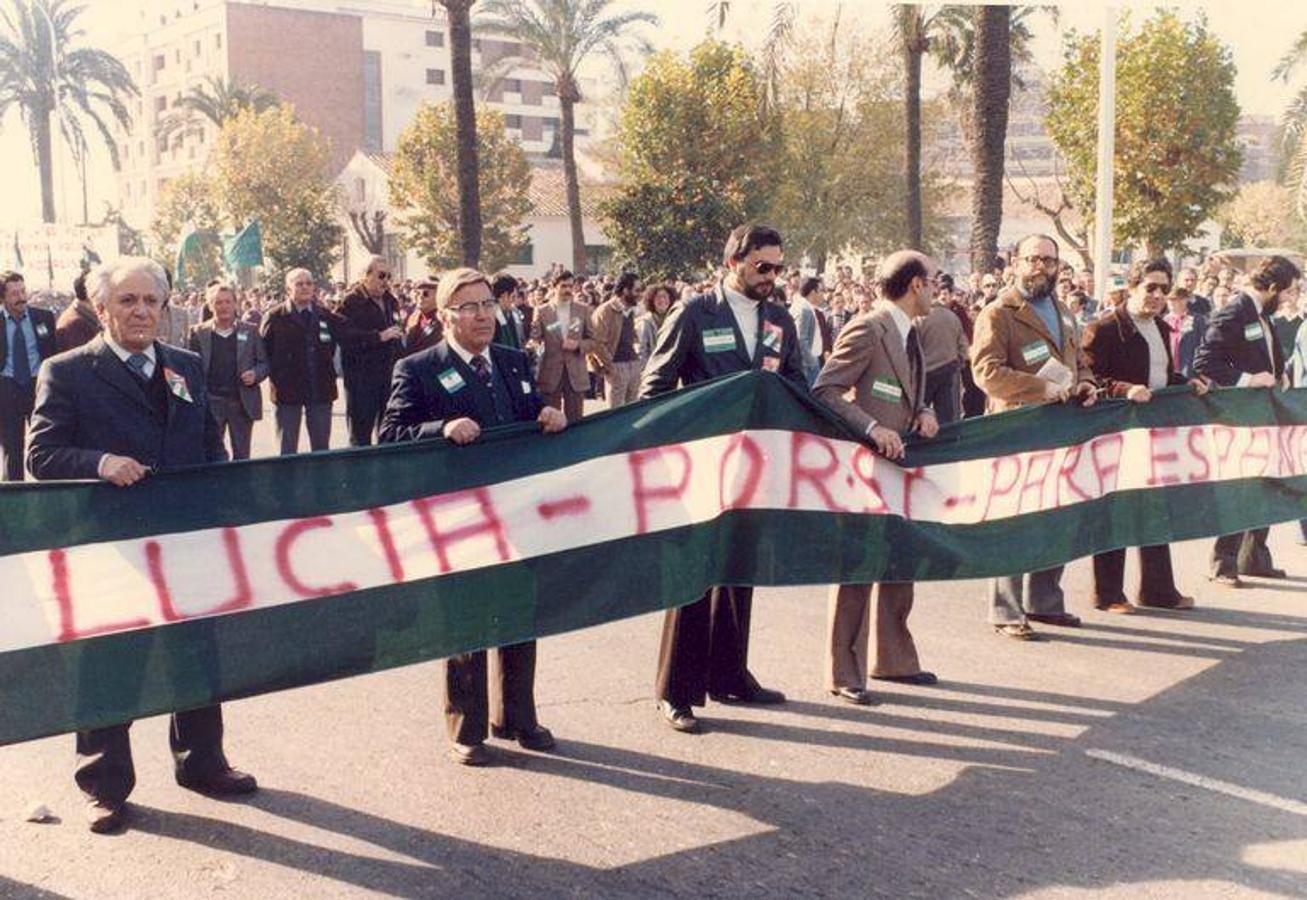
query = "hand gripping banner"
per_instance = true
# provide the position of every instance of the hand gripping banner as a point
(226, 581)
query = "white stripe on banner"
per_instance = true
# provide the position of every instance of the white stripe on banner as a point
(65, 594)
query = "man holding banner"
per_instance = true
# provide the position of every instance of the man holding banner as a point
(117, 409)
(1025, 351)
(453, 390)
(705, 644)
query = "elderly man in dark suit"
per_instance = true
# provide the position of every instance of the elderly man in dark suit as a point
(735, 328)
(1129, 353)
(26, 339)
(1239, 350)
(235, 364)
(368, 357)
(452, 391)
(118, 408)
(879, 357)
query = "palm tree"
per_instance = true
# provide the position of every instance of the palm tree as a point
(1294, 123)
(45, 77)
(912, 27)
(560, 35)
(459, 14)
(771, 54)
(991, 82)
(215, 100)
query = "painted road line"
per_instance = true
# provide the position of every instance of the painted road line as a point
(1297, 807)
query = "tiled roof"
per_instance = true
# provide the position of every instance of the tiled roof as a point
(548, 193)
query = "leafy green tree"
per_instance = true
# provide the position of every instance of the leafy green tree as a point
(189, 200)
(1262, 214)
(270, 166)
(692, 139)
(1294, 124)
(559, 36)
(424, 188)
(47, 77)
(1177, 157)
(214, 100)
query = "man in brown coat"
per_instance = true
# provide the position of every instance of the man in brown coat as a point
(878, 356)
(615, 356)
(1025, 351)
(562, 327)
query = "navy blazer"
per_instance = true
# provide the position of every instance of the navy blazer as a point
(701, 340)
(435, 386)
(43, 325)
(88, 404)
(1228, 351)
(1189, 342)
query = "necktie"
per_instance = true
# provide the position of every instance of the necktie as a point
(914, 353)
(137, 363)
(482, 370)
(22, 365)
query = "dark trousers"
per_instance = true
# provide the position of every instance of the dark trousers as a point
(1241, 553)
(316, 417)
(973, 398)
(15, 409)
(566, 398)
(234, 423)
(705, 647)
(104, 755)
(1156, 578)
(469, 711)
(365, 401)
(944, 392)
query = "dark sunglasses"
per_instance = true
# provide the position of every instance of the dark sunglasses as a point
(384, 276)
(1155, 288)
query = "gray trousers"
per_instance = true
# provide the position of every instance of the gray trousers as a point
(1012, 596)
(316, 416)
(234, 422)
(623, 382)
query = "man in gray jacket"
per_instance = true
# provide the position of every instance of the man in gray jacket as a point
(235, 364)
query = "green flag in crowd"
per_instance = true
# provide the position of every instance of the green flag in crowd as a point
(244, 249)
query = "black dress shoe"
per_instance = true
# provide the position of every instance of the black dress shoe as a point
(1266, 573)
(856, 696)
(105, 818)
(680, 718)
(223, 783)
(753, 695)
(470, 754)
(1062, 620)
(920, 678)
(537, 737)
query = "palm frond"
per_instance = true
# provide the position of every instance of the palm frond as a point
(1292, 59)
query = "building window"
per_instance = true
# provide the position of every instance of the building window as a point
(372, 101)
(512, 85)
(512, 121)
(197, 48)
(548, 89)
(360, 191)
(435, 76)
(435, 39)
(160, 104)
(217, 41)
(159, 62)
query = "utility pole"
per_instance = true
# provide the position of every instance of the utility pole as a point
(1106, 152)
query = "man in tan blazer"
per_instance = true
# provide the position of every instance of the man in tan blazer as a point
(615, 357)
(878, 356)
(1024, 332)
(562, 328)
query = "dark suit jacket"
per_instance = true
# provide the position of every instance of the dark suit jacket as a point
(42, 321)
(1118, 353)
(250, 357)
(420, 334)
(425, 394)
(88, 403)
(680, 355)
(1189, 341)
(283, 336)
(1227, 350)
(363, 355)
(510, 333)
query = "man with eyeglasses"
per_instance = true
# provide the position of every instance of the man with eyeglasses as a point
(368, 358)
(1239, 350)
(734, 328)
(1026, 352)
(453, 390)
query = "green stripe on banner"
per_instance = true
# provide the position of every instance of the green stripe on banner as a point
(52, 687)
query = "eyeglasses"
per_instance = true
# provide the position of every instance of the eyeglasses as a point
(384, 276)
(1154, 287)
(766, 268)
(471, 309)
(1046, 261)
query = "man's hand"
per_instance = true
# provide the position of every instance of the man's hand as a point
(122, 470)
(247, 378)
(1261, 380)
(1055, 393)
(570, 344)
(551, 420)
(927, 424)
(462, 431)
(1084, 393)
(393, 333)
(1200, 385)
(887, 442)
(1138, 393)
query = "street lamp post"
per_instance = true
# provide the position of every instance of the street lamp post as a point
(1106, 152)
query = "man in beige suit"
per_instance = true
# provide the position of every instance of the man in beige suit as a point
(1019, 340)
(878, 356)
(562, 328)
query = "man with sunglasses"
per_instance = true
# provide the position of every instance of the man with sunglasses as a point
(423, 328)
(368, 358)
(453, 390)
(1018, 340)
(733, 328)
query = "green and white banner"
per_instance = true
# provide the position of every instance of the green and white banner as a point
(225, 581)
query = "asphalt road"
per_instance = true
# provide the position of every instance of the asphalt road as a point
(1163, 754)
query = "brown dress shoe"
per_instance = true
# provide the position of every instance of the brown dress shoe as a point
(223, 783)
(470, 754)
(105, 818)
(537, 737)
(1118, 607)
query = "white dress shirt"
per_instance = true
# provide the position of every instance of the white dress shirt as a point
(1156, 351)
(123, 353)
(466, 354)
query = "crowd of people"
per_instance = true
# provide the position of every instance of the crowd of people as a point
(899, 349)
